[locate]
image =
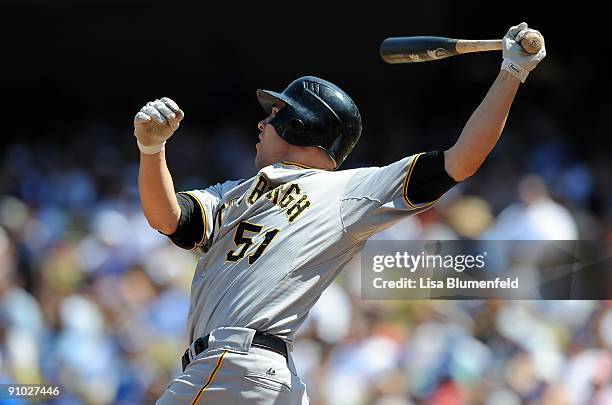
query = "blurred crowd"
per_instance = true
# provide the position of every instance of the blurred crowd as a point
(94, 300)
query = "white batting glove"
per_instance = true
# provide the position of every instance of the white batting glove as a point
(516, 61)
(155, 123)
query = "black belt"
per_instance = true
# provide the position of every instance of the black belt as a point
(263, 340)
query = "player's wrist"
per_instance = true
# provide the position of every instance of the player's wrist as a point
(151, 149)
(515, 69)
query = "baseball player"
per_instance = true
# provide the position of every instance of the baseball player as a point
(271, 244)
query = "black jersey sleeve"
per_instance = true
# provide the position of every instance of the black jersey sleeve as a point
(429, 179)
(189, 233)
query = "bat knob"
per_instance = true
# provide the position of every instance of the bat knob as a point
(532, 42)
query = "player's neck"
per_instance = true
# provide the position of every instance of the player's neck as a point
(310, 156)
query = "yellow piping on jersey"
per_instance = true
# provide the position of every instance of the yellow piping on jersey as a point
(301, 166)
(201, 242)
(407, 179)
(210, 378)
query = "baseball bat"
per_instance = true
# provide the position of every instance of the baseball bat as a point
(425, 49)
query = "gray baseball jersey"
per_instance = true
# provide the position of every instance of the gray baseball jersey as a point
(274, 242)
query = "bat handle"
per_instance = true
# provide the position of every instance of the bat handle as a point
(531, 43)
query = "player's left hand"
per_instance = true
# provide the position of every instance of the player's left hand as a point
(516, 60)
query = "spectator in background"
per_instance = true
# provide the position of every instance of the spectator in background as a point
(536, 217)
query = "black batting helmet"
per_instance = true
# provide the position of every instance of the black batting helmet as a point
(315, 112)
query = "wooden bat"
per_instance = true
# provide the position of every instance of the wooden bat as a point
(425, 49)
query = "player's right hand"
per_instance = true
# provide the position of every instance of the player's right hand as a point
(155, 123)
(516, 60)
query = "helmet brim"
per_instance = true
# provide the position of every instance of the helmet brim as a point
(269, 99)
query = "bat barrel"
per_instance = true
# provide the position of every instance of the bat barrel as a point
(416, 49)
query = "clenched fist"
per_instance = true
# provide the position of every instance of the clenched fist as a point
(155, 123)
(516, 61)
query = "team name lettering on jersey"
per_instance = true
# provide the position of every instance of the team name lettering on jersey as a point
(288, 197)
(221, 211)
(258, 190)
